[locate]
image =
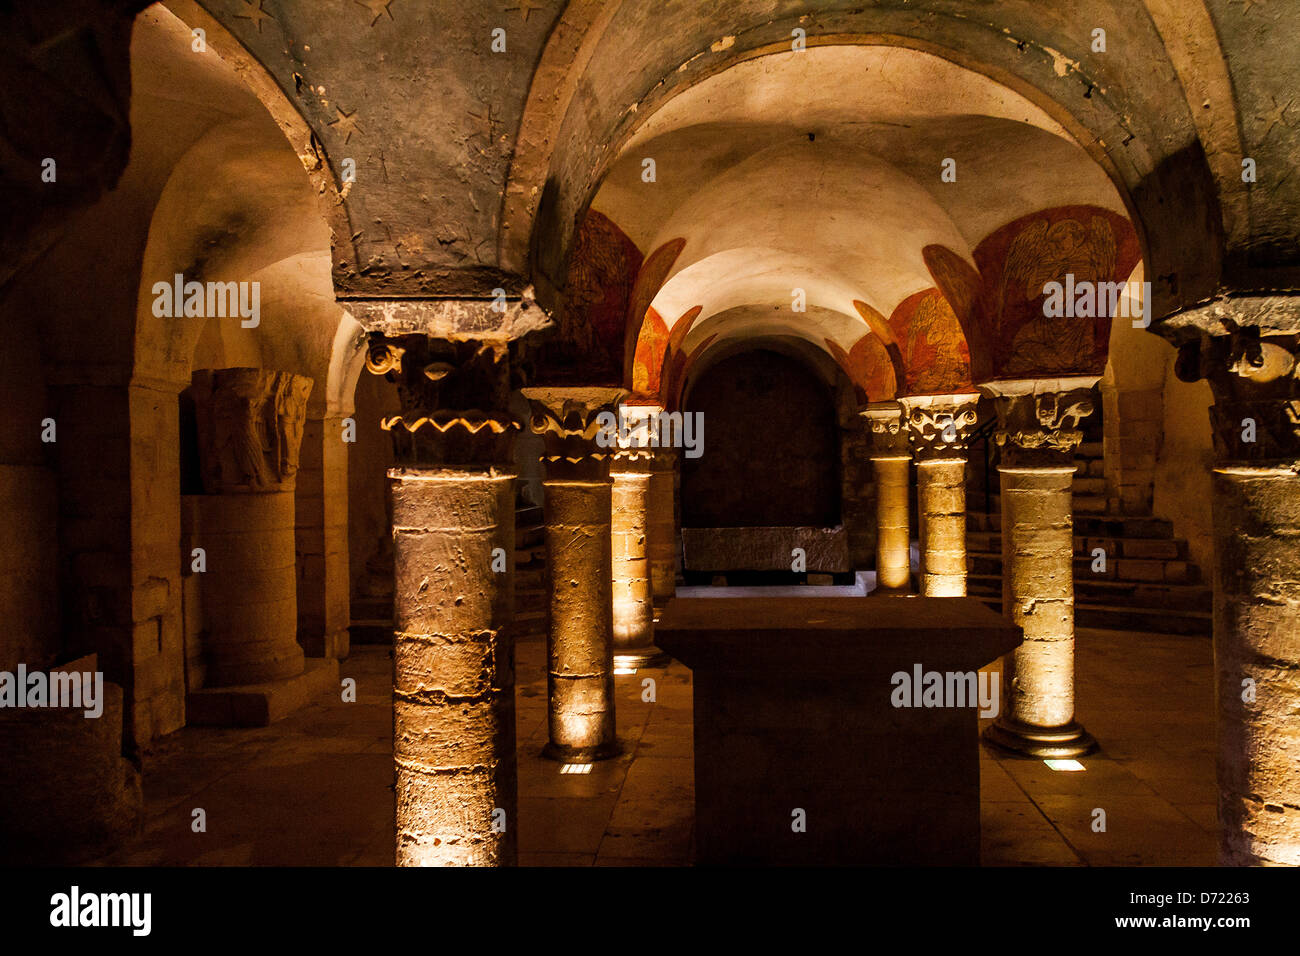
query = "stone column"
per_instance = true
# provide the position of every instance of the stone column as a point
(661, 526)
(890, 460)
(1037, 435)
(938, 428)
(1256, 429)
(453, 494)
(250, 424)
(321, 505)
(631, 472)
(577, 509)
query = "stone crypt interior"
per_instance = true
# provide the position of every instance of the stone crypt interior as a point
(368, 583)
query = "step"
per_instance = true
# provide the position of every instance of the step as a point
(1165, 549)
(1180, 598)
(529, 516)
(1135, 570)
(375, 631)
(1156, 620)
(1089, 486)
(371, 609)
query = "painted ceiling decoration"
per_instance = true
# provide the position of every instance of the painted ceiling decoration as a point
(587, 345)
(649, 281)
(837, 228)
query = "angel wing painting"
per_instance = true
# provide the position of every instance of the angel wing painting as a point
(1043, 253)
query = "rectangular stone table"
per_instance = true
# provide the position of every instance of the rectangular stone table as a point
(793, 712)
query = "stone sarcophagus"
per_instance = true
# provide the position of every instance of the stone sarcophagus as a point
(837, 730)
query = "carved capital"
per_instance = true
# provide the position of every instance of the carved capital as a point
(575, 425)
(939, 426)
(250, 424)
(1038, 419)
(638, 434)
(888, 430)
(454, 397)
(1255, 379)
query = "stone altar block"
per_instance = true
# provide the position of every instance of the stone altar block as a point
(793, 712)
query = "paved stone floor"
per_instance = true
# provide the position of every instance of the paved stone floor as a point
(315, 789)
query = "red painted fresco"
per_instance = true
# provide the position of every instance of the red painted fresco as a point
(868, 366)
(650, 279)
(655, 349)
(936, 358)
(1009, 332)
(587, 348)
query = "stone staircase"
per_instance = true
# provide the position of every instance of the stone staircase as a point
(1148, 582)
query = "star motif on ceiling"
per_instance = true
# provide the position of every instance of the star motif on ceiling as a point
(377, 9)
(525, 7)
(345, 125)
(1277, 115)
(253, 11)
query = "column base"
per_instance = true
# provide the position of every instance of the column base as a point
(647, 655)
(881, 591)
(1070, 740)
(565, 754)
(258, 705)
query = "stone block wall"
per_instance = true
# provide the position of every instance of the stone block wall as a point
(1134, 424)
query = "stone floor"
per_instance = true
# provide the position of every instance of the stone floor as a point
(315, 788)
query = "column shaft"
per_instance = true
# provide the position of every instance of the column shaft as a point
(633, 600)
(893, 548)
(249, 588)
(1257, 664)
(1038, 594)
(453, 707)
(941, 495)
(580, 655)
(661, 527)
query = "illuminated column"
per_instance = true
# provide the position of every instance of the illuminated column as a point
(938, 427)
(1038, 434)
(577, 509)
(631, 472)
(249, 424)
(453, 492)
(1256, 429)
(890, 460)
(661, 525)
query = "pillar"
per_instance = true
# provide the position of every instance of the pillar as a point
(578, 492)
(453, 494)
(321, 517)
(1255, 423)
(633, 600)
(938, 428)
(250, 423)
(890, 461)
(661, 526)
(1037, 435)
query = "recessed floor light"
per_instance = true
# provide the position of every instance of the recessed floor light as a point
(623, 669)
(1069, 766)
(575, 768)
